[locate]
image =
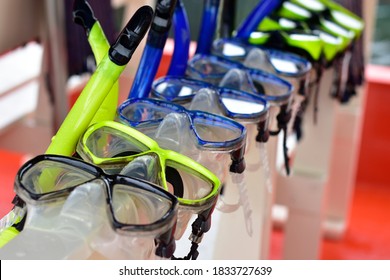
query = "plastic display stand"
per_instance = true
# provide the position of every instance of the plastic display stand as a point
(304, 192)
(343, 170)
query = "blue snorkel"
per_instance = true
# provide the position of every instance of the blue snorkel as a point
(264, 8)
(180, 54)
(153, 51)
(208, 26)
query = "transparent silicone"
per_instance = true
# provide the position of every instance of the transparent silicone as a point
(143, 168)
(174, 133)
(60, 230)
(69, 226)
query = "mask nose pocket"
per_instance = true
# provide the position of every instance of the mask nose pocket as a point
(206, 100)
(238, 79)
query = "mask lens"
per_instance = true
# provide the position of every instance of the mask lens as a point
(237, 106)
(173, 89)
(233, 50)
(109, 143)
(135, 206)
(142, 112)
(208, 67)
(214, 131)
(208, 70)
(187, 183)
(48, 176)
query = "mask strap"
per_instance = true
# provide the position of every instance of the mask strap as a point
(265, 165)
(317, 91)
(192, 255)
(201, 225)
(239, 181)
(297, 126)
(283, 118)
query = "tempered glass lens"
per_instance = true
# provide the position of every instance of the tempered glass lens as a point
(109, 143)
(135, 206)
(214, 131)
(206, 67)
(141, 112)
(47, 176)
(187, 183)
(242, 106)
(268, 88)
(176, 88)
(285, 66)
(233, 50)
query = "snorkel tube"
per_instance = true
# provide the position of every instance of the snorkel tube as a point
(180, 54)
(208, 26)
(84, 16)
(152, 53)
(100, 83)
(264, 8)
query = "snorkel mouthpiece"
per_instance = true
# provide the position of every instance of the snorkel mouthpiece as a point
(83, 15)
(132, 34)
(161, 24)
(163, 16)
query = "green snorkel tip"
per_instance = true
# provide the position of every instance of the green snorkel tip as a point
(122, 50)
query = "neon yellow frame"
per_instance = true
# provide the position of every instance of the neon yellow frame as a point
(163, 156)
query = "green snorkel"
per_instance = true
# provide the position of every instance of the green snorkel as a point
(84, 16)
(87, 105)
(100, 84)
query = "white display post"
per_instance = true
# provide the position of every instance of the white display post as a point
(303, 193)
(346, 144)
(344, 163)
